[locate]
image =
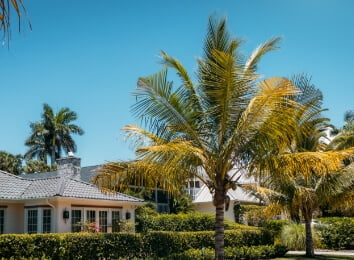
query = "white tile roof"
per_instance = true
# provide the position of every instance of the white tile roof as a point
(18, 188)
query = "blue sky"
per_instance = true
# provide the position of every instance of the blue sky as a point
(87, 55)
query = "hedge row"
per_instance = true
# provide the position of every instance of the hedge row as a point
(336, 233)
(128, 245)
(247, 253)
(181, 222)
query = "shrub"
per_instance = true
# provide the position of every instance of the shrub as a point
(180, 222)
(120, 245)
(163, 243)
(252, 215)
(293, 236)
(275, 226)
(253, 252)
(337, 233)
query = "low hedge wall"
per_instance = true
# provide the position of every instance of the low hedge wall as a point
(99, 245)
(182, 222)
(236, 253)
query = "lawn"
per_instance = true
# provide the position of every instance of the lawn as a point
(322, 257)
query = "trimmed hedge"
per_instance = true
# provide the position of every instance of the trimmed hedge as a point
(181, 222)
(162, 243)
(248, 253)
(336, 233)
(99, 245)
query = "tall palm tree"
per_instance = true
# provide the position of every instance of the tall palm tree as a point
(303, 177)
(52, 134)
(205, 129)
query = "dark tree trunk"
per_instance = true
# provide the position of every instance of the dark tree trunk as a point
(52, 156)
(309, 241)
(219, 223)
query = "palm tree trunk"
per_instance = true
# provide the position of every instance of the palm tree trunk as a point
(219, 224)
(309, 241)
(52, 156)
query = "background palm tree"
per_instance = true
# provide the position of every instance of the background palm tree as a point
(210, 130)
(345, 136)
(52, 134)
(302, 177)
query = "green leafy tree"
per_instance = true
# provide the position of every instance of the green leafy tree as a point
(211, 129)
(37, 166)
(10, 163)
(302, 177)
(52, 134)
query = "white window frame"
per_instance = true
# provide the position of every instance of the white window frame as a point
(97, 216)
(39, 218)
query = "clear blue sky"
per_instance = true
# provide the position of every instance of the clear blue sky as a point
(87, 55)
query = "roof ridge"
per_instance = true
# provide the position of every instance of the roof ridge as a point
(95, 186)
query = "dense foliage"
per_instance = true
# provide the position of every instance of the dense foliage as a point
(337, 233)
(181, 222)
(245, 252)
(95, 245)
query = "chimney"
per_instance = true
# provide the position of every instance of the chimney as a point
(69, 166)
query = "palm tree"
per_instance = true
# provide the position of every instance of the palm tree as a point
(345, 137)
(303, 177)
(10, 163)
(5, 14)
(210, 129)
(52, 134)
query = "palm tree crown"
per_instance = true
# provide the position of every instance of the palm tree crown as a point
(52, 134)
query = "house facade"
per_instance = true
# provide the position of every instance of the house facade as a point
(61, 201)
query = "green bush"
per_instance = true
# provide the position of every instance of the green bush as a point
(180, 222)
(115, 245)
(163, 243)
(337, 233)
(252, 215)
(253, 252)
(275, 226)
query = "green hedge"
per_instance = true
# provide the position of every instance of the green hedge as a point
(181, 222)
(98, 245)
(248, 253)
(336, 232)
(162, 243)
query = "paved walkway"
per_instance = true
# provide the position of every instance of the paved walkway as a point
(324, 252)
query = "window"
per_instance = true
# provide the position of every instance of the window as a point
(103, 221)
(115, 221)
(32, 220)
(76, 220)
(47, 214)
(2, 221)
(90, 216)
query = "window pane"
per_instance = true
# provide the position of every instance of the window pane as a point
(76, 220)
(47, 214)
(103, 221)
(197, 184)
(90, 216)
(2, 220)
(115, 221)
(32, 219)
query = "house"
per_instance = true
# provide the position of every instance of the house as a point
(60, 201)
(203, 201)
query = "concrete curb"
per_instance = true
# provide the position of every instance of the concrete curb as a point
(324, 252)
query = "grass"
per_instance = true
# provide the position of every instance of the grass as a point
(321, 257)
